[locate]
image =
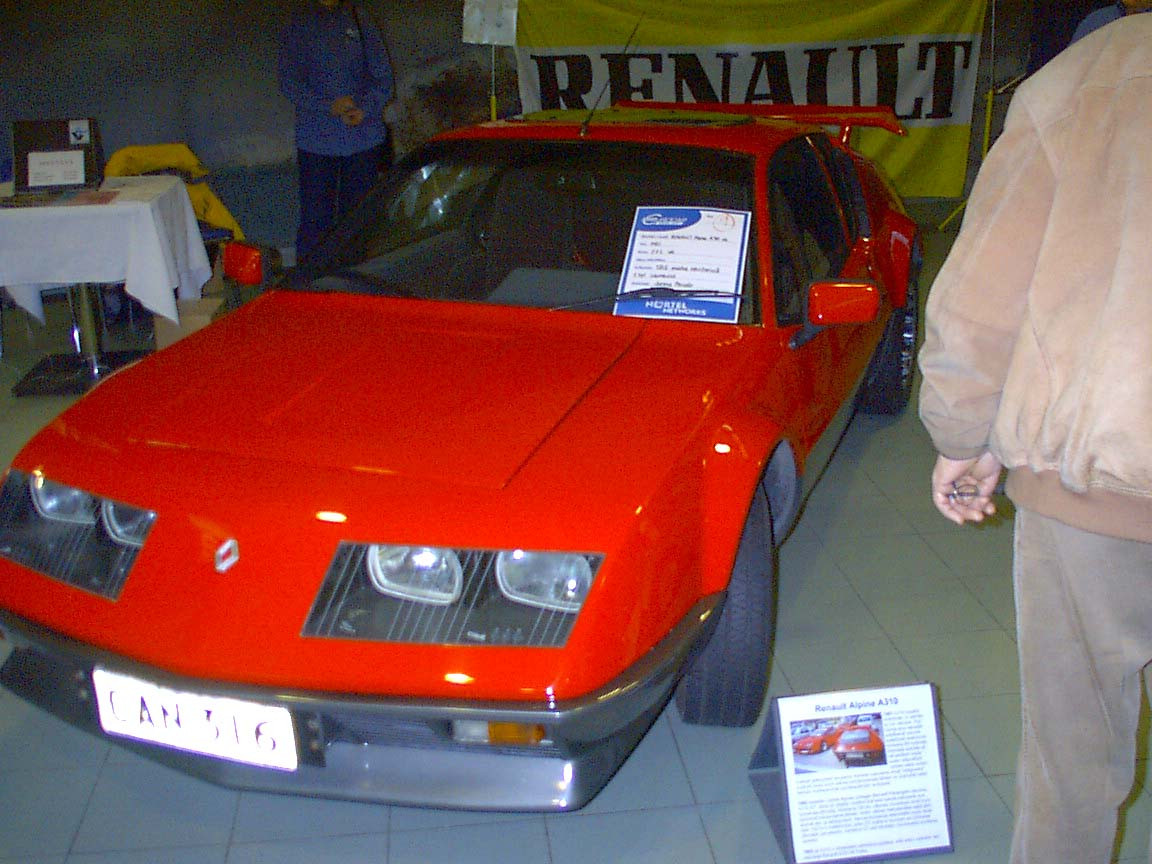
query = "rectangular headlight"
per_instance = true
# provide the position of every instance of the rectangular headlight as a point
(62, 503)
(550, 580)
(420, 573)
(126, 525)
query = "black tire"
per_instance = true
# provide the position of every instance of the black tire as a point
(888, 384)
(726, 683)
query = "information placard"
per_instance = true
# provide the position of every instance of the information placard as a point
(854, 775)
(684, 262)
(490, 22)
(57, 168)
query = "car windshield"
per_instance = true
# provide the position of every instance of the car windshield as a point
(856, 736)
(555, 225)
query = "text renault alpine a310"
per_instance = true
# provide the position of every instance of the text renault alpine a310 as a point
(449, 514)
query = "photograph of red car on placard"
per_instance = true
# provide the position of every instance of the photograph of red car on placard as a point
(860, 745)
(852, 740)
(448, 515)
(812, 742)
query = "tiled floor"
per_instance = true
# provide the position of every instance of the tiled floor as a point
(875, 589)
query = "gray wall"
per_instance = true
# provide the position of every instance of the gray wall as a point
(205, 74)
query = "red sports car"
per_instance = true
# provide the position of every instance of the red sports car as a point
(815, 742)
(447, 515)
(860, 745)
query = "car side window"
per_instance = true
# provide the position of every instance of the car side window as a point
(848, 187)
(809, 237)
(788, 267)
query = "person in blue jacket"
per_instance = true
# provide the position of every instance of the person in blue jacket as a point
(334, 68)
(1096, 20)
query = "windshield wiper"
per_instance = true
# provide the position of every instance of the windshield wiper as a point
(655, 292)
(661, 291)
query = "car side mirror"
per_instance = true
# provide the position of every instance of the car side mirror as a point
(837, 301)
(842, 302)
(244, 263)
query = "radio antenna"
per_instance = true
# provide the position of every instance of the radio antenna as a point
(608, 80)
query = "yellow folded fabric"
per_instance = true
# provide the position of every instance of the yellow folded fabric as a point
(149, 158)
(138, 159)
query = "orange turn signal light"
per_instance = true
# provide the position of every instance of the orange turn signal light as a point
(515, 733)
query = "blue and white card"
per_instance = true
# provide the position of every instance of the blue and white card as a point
(684, 263)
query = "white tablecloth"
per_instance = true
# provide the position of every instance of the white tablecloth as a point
(146, 237)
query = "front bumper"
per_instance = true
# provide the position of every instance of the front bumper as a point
(389, 750)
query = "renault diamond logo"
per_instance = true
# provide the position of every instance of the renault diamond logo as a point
(227, 555)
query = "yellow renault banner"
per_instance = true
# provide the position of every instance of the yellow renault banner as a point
(920, 58)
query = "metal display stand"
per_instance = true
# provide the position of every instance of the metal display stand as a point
(861, 778)
(75, 374)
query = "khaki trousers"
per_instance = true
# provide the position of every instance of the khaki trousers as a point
(1084, 626)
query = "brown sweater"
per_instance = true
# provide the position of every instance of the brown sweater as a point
(1038, 342)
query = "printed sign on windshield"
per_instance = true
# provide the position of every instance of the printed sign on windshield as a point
(684, 262)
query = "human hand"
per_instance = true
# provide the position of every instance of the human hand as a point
(342, 106)
(962, 488)
(353, 117)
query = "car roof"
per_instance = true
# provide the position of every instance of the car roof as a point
(742, 128)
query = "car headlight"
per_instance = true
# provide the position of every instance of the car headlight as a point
(440, 596)
(62, 503)
(416, 573)
(126, 525)
(548, 580)
(69, 534)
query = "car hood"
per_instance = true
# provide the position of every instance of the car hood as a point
(576, 431)
(459, 396)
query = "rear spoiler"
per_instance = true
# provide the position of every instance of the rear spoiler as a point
(844, 116)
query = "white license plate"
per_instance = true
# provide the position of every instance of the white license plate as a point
(226, 728)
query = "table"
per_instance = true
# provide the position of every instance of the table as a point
(140, 231)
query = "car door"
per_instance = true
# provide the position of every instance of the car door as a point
(859, 343)
(815, 235)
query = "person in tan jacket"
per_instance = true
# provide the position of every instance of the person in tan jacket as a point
(1038, 357)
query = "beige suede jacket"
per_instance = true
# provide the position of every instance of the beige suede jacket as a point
(1038, 339)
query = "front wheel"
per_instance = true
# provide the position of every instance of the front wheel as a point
(726, 683)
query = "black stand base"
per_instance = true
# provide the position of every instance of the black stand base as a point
(70, 374)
